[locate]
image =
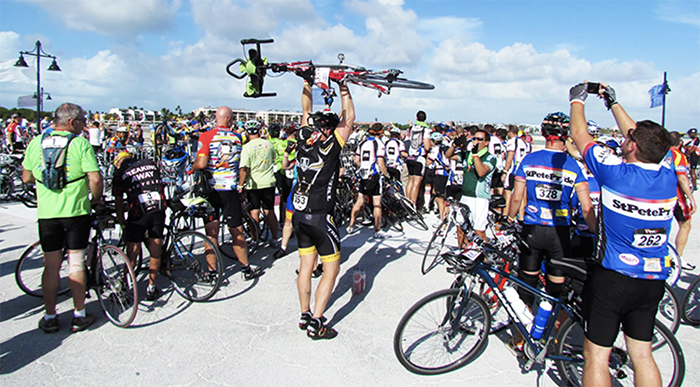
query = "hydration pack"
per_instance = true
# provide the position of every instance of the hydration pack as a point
(53, 160)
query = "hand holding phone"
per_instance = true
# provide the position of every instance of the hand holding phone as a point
(593, 88)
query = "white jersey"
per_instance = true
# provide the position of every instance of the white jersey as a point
(519, 148)
(496, 148)
(369, 151)
(417, 135)
(393, 149)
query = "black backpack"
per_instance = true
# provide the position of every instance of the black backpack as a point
(53, 160)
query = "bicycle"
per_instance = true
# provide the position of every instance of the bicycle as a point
(251, 231)
(108, 272)
(447, 329)
(320, 75)
(690, 307)
(11, 185)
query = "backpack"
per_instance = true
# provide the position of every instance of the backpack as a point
(53, 160)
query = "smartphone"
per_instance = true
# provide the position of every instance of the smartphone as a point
(593, 88)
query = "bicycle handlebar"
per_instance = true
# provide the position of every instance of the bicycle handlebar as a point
(257, 41)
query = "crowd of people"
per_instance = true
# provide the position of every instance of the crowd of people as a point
(616, 195)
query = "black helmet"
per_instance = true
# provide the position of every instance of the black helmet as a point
(323, 119)
(274, 130)
(555, 126)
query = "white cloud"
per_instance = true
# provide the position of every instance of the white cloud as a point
(126, 18)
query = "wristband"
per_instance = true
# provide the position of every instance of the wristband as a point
(512, 219)
(577, 101)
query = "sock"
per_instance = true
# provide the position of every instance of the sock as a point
(48, 317)
(151, 288)
(284, 247)
(79, 313)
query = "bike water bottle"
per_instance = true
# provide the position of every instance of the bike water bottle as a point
(519, 306)
(356, 282)
(541, 319)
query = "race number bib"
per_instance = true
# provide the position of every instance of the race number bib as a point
(459, 178)
(300, 201)
(548, 193)
(149, 198)
(289, 173)
(649, 237)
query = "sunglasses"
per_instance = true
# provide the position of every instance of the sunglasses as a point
(478, 139)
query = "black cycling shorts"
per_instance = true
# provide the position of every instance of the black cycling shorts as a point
(429, 177)
(510, 182)
(439, 185)
(261, 198)
(454, 192)
(611, 299)
(546, 243)
(693, 160)
(394, 173)
(226, 204)
(72, 233)
(415, 168)
(316, 233)
(284, 185)
(147, 226)
(582, 246)
(371, 186)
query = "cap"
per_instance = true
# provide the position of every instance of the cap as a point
(692, 131)
(120, 156)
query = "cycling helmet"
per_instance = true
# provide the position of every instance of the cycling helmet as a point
(274, 130)
(440, 128)
(436, 136)
(593, 128)
(291, 127)
(121, 156)
(252, 127)
(323, 120)
(394, 130)
(555, 126)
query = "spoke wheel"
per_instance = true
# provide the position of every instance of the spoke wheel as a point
(30, 269)
(194, 266)
(669, 312)
(116, 286)
(691, 303)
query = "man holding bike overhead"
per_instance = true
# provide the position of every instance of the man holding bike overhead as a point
(318, 166)
(638, 195)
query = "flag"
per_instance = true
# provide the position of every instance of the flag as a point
(657, 95)
(26, 101)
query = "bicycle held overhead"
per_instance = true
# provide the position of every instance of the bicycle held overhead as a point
(255, 67)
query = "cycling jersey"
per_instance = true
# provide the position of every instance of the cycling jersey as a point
(318, 165)
(637, 201)
(140, 180)
(519, 148)
(279, 145)
(496, 148)
(682, 168)
(258, 156)
(393, 151)
(369, 151)
(582, 228)
(550, 177)
(476, 186)
(418, 133)
(223, 147)
(440, 162)
(115, 143)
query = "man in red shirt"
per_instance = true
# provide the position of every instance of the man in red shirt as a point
(685, 207)
(14, 135)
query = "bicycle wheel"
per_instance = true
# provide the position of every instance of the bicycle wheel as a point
(691, 303)
(27, 195)
(669, 312)
(431, 258)
(500, 319)
(30, 268)
(250, 231)
(116, 286)
(676, 266)
(388, 80)
(442, 332)
(413, 217)
(190, 272)
(666, 350)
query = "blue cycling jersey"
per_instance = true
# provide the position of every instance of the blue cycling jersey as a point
(582, 228)
(551, 177)
(637, 201)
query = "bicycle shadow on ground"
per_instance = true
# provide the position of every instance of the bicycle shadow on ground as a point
(231, 281)
(24, 306)
(27, 347)
(372, 262)
(167, 306)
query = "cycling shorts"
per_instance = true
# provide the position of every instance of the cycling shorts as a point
(611, 299)
(454, 192)
(496, 181)
(284, 184)
(509, 183)
(72, 233)
(371, 186)
(582, 246)
(546, 243)
(682, 211)
(429, 177)
(144, 227)
(439, 185)
(693, 160)
(316, 233)
(261, 198)
(415, 168)
(226, 204)
(394, 173)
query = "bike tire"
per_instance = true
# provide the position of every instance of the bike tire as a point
(188, 268)
(413, 217)
(116, 286)
(669, 311)
(690, 306)
(30, 269)
(27, 195)
(431, 257)
(388, 81)
(251, 233)
(666, 350)
(425, 345)
(676, 266)
(231, 73)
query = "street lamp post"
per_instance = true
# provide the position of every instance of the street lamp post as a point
(38, 53)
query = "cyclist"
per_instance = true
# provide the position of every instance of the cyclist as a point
(516, 150)
(220, 153)
(370, 159)
(140, 181)
(64, 214)
(283, 181)
(478, 168)
(547, 179)
(497, 148)
(638, 194)
(257, 173)
(685, 207)
(395, 153)
(692, 151)
(441, 165)
(14, 134)
(318, 164)
(419, 145)
(120, 140)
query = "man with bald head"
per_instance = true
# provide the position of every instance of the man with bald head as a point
(219, 153)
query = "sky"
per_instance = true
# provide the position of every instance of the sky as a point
(490, 61)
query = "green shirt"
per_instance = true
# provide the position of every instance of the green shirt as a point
(474, 186)
(259, 157)
(280, 146)
(72, 200)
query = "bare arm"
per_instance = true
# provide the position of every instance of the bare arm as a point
(242, 176)
(624, 121)
(579, 128)
(516, 198)
(684, 184)
(382, 166)
(584, 197)
(509, 160)
(96, 185)
(306, 104)
(119, 203)
(481, 168)
(348, 113)
(28, 177)
(450, 151)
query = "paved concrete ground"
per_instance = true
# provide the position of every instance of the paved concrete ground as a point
(247, 335)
